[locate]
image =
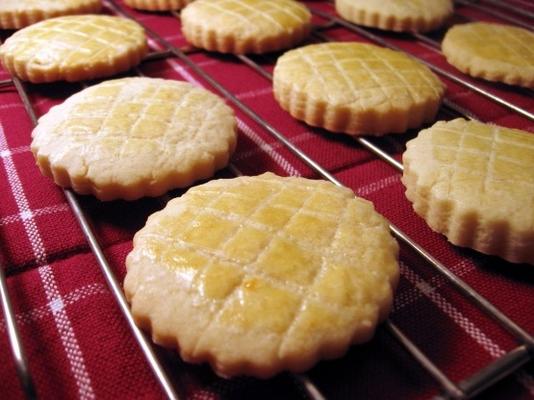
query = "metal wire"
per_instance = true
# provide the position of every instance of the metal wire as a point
(157, 55)
(106, 269)
(311, 390)
(440, 71)
(494, 13)
(434, 44)
(512, 8)
(15, 341)
(6, 82)
(116, 290)
(494, 372)
(451, 389)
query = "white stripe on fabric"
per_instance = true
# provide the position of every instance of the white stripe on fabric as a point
(63, 324)
(71, 298)
(16, 150)
(254, 93)
(14, 218)
(378, 185)
(409, 296)
(20, 105)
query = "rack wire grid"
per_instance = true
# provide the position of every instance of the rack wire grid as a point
(508, 346)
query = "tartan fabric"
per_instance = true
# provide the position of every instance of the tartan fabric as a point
(79, 345)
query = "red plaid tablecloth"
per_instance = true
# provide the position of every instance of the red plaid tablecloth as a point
(78, 343)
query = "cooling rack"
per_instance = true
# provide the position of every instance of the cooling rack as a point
(428, 264)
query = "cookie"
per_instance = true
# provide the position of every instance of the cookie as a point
(356, 88)
(491, 51)
(16, 14)
(157, 5)
(134, 137)
(245, 26)
(258, 275)
(74, 48)
(473, 182)
(396, 15)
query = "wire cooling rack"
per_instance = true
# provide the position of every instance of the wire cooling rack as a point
(328, 27)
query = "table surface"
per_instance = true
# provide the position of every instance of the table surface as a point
(78, 343)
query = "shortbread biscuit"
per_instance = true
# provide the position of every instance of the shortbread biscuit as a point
(245, 26)
(157, 5)
(396, 15)
(16, 14)
(474, 183)
(356, 88)
(134, 137)
(493, 52)
(74, 48)
(258, 275)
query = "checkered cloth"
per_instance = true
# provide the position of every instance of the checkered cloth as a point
(76, 339)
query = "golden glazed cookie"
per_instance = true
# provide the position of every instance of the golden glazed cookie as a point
(245, 26)
(257, 275)
(134, 137)
(74, 48)
(356, 88)
(396, 15)
(493, 52)
(157, 5)
(15, 14)
(474, 183)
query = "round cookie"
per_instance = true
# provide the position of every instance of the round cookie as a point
(74, 48)
(134, 137)
(396, 15)
(245, 26)
(493, 52)
(16, 14)
(157, 5)
(474, 183)
(257, 275)
(356, 88)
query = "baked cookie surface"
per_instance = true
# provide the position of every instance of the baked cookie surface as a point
(493, 52)
(396, 15)
(356, 88)
(474, 183)
(245, 26)
(74, 48)
(157, 5)
(257, 275)
(134, 137)
(16, 14)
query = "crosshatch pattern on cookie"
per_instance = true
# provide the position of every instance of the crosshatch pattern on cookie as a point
(492, 51)
(245, 26)
(262, 256)
(358, 77)
(134, 136)
(15, 14)
(256, 14)
(406, 15)
(74, 48)
(157, 5)
(471, 181)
